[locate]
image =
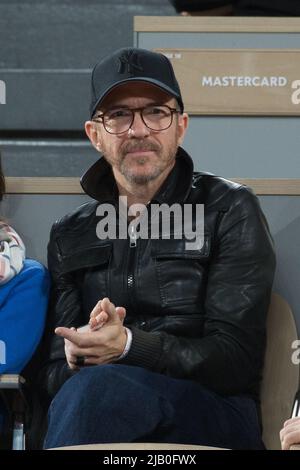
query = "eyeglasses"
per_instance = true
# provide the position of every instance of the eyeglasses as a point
(120, 120)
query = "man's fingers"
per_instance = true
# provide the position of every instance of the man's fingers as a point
(114, 312)
(65, 332)
(104, 311)
(108, 307)
(71, 358)
(96, 310)
(72, 364)
(291, 421)
(80, 339)
(121, 311)
(290, 433)
(99, 320)
(75, 351)
(103, 317)
(289, 439)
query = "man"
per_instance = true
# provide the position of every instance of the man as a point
(290, 433)
(180, 358)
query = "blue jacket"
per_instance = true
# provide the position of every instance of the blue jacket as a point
(23, 306)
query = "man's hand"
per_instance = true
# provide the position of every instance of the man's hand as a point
(99, 316)
(290, 433)
(102, 346)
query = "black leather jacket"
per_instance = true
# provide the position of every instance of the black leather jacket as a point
(196, 314)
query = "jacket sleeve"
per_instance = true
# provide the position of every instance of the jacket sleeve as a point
(64, 310)
(23, 307)
(228, 358)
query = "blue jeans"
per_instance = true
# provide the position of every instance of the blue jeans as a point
(117, 403)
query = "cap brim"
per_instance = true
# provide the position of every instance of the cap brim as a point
(138, 79)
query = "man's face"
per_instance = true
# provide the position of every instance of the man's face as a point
(139, 155)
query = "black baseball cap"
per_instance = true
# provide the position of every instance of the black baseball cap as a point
(132, 64)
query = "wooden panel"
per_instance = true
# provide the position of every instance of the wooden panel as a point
(238, 82)
(44, 185)
(261, 186)
(216, 24)
(270, 186)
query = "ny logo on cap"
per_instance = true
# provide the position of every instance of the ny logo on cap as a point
(129, 63)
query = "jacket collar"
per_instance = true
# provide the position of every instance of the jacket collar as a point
(99, 182)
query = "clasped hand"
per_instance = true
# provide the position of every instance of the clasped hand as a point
(103, 343)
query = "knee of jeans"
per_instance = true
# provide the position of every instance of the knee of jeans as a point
(94, 380)
(74, 391)
(97, 375)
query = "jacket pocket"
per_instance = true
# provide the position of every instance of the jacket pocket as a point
(87, 257)
(186, 324)
(181, 272)
(89, 269)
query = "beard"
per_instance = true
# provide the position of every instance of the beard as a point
(158, 163)
(139, 179)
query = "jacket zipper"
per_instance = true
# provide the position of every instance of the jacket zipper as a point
(131, 257)
(132, 236)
